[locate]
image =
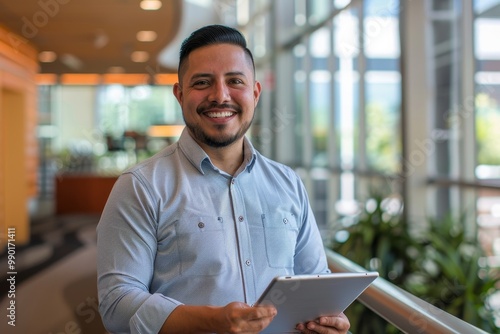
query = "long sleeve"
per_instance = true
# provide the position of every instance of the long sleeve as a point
(127, 249)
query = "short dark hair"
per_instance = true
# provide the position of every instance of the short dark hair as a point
(209, 35)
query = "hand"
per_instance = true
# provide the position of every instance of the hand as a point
(241, 318)
(326, 325)
(234, 318)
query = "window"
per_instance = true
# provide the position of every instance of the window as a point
(485, 111)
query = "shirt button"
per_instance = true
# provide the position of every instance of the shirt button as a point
(233, 181)
(248, 263)
(201, 225)
(240, 218)
(285, 220)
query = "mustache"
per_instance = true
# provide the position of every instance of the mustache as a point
(203, 108)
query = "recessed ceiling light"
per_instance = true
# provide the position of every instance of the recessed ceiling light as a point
(146, 36)
(101, 39)
(47, 56)
(139, 56)
(116, 69)
(151, 4)
(71, 61)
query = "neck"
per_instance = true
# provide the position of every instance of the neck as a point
(228, 159)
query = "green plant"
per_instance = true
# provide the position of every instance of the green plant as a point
(440, 265)
(379, 240)
(449, 274)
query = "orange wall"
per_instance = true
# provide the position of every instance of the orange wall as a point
(18, 142)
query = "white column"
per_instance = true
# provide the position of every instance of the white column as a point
(418, 145)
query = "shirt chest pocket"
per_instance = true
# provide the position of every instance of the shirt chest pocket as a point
(201, 245)
(280, 233)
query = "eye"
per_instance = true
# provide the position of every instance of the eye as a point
(236, 81)
(201, 83)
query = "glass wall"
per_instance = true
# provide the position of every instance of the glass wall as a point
(463, 124)
(486, 116)
(382, 82)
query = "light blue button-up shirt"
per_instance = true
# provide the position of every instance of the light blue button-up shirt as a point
(177, 230)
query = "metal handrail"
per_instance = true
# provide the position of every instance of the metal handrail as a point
(408, 313)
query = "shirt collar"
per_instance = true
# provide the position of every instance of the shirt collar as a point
(197, 156)
(250, 155)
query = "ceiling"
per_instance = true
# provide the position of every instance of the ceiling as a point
(94, 36)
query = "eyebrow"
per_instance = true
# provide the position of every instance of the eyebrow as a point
(204, 75)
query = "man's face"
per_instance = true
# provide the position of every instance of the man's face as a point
(218, 94)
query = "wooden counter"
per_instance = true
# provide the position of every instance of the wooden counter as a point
(82, 193)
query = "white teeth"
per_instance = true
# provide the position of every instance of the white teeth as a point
(219, 114)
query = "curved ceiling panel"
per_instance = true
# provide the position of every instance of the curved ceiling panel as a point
(94, 36)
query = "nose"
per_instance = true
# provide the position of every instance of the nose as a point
(219, 93)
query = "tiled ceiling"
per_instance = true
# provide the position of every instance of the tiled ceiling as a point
(93, 36)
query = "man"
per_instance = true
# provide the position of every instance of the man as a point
(191, 237)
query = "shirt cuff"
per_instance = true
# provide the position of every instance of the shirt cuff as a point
(152, 314)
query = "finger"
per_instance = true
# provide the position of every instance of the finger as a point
(259, 312)
(313, 328)
(303, 329)
(327, 325)
(340, 322)
(259, 319)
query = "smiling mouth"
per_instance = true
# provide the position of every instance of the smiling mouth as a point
(221, 114)
(218, 111)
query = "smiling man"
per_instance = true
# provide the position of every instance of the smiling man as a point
(191, 237)
(218, 94)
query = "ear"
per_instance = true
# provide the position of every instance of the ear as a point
(257, 88)
(178, 92)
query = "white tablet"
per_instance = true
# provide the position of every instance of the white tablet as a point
(303, 298)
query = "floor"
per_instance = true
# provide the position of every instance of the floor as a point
(55, 285)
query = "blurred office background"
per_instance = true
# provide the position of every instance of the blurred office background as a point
(397, 99)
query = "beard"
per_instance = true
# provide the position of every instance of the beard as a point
(221, 139)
